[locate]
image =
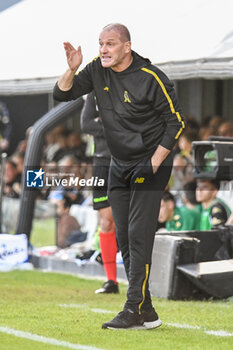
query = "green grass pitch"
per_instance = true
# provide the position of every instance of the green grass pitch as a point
(65, 309)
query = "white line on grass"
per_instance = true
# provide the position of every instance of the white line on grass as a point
(73, 305)
(46, 340)
(220, 333)
(187, 326)
(101, 311)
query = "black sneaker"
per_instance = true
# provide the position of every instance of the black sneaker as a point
(108, 287)
(151, 319)
(126, 319)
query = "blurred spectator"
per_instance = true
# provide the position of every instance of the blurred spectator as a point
(55, 140)
(5, 127)
(66, 168)
(12, 181)
(215, 122)
(67, 224)
(185, 142)
(77, 147)
(177, 218)
(62, 144)
(18, 159)
(22, 146)
(51, 171)
(182, 171)
(206, 132)
(226, 129)
(51, 146)
(189, 196)
(192, 124)
(214, 212)
(209, 127)
(68, 165)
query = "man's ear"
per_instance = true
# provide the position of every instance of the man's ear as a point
(128, 46)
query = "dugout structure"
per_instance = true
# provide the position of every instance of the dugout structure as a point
(33, 158)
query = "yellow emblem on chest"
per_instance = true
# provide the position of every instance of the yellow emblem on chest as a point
(126, 97)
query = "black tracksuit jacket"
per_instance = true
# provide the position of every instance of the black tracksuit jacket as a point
(138, 106)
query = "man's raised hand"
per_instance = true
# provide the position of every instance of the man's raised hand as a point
(74, 57)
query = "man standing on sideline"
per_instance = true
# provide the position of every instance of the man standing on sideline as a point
(142, 121)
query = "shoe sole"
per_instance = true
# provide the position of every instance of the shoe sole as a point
(145, 326)
(154, 324)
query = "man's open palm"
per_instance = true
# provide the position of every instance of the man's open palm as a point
(74, 57)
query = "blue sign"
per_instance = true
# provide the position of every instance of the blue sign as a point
(35, 178)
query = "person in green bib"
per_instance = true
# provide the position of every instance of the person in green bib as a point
(214, 212)
(177, 218)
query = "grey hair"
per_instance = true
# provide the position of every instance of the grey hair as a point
(121, 29)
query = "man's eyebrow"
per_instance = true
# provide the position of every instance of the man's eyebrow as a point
(108, 40)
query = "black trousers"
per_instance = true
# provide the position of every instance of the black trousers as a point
(135, 196)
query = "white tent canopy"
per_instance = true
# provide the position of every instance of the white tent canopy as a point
(186, 38)
(216, 65)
